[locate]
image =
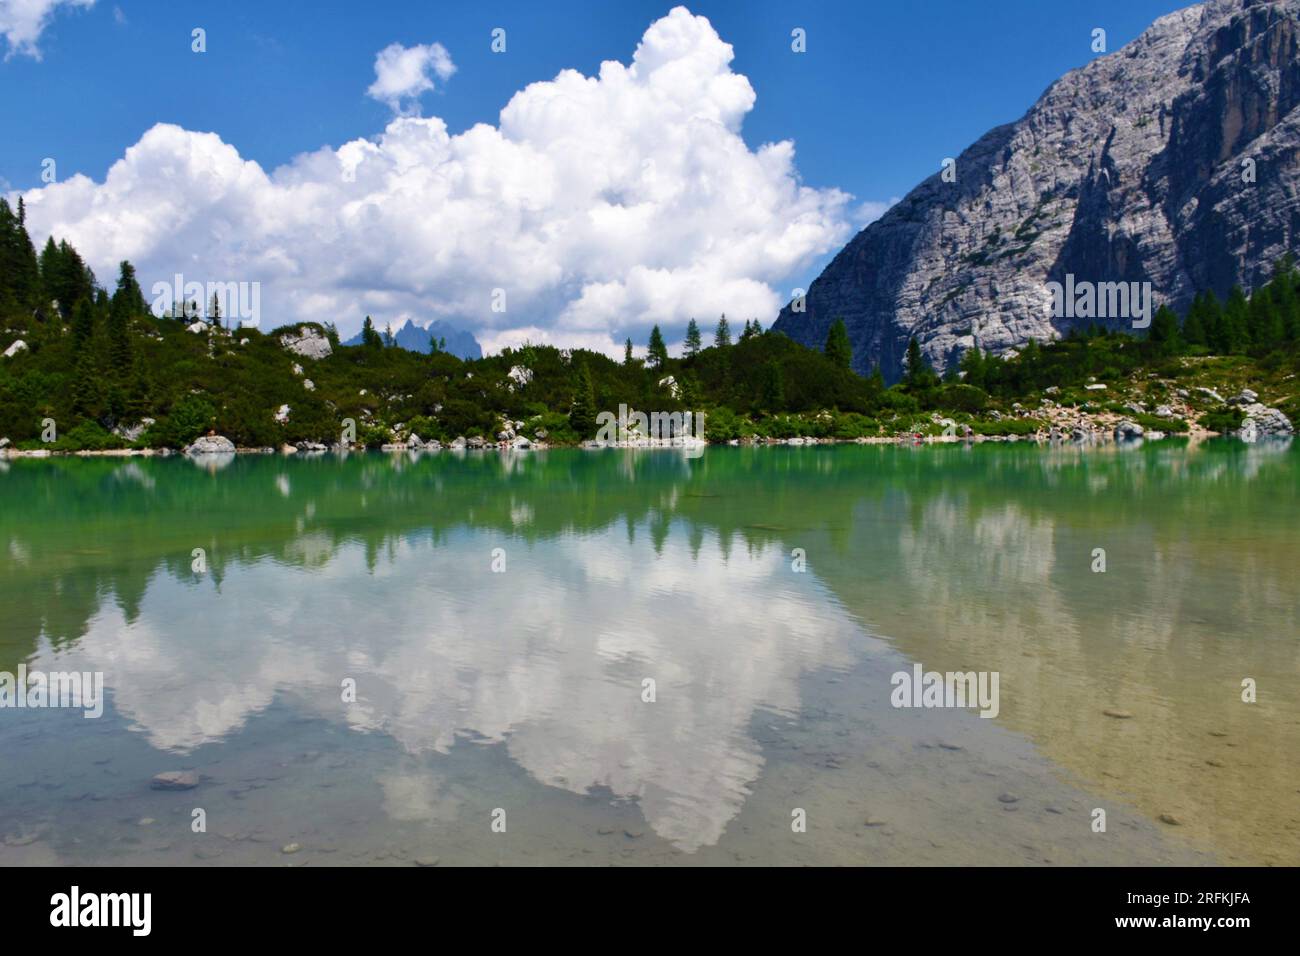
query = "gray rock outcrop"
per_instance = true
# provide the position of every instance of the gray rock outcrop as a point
(211, 445)
(308, 342)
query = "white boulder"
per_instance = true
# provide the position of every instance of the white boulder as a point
(307, 342)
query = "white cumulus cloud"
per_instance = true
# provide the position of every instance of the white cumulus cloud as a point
(403, 73)
(598, 206)
(23, 21)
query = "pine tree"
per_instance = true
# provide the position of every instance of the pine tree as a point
(1163, 335)
(582, 412)
(1259, 319)
(657, 353)
(722, 337)
(369, 337)
(129, 288)
(838, 349)
(87, 387)
(140, 393)
(214, 310)
(1286, 298)
(1212, 319)
(627, 352)
(972, 363)
(1194, 324)
(876, 381)
(692, 344)
(20, 276)
(83, 326)
(119, 333)
(64, 276)
(919, 374)
(1235, 336)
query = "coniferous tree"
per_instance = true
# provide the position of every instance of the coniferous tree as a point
(692, 343)
(657, 353)
(1163, 335)
(1285, 298)
(119, 336)
(19, 268)
(83, 326)
(876, 382)
(140, 390)
(1212, 319)
(369, 337)
(1194, 323)
(972, 363)
(722, 337)
(627, 352)
(838, 349)
(919, 374)
(129, 288)
(64, 276)
(1234, 336)
(87, 386)
(582, 412)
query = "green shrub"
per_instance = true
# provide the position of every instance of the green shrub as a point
(1223, 420)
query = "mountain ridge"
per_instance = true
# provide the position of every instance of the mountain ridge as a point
(416, 338)
(1126, 169)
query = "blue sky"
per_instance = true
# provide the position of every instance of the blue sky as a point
(883, 93)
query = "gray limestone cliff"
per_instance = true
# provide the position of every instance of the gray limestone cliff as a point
(1174, 161)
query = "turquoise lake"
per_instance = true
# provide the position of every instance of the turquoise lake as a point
(501, 616)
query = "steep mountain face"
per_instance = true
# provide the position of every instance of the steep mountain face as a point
(415, 338)
(1174, 161)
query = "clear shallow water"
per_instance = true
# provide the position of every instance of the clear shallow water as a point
(522, 690)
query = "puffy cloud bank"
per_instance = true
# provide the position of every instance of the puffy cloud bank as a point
(597, 206)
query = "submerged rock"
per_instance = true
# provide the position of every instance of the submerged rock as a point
(1128, 430)
(175, 780)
